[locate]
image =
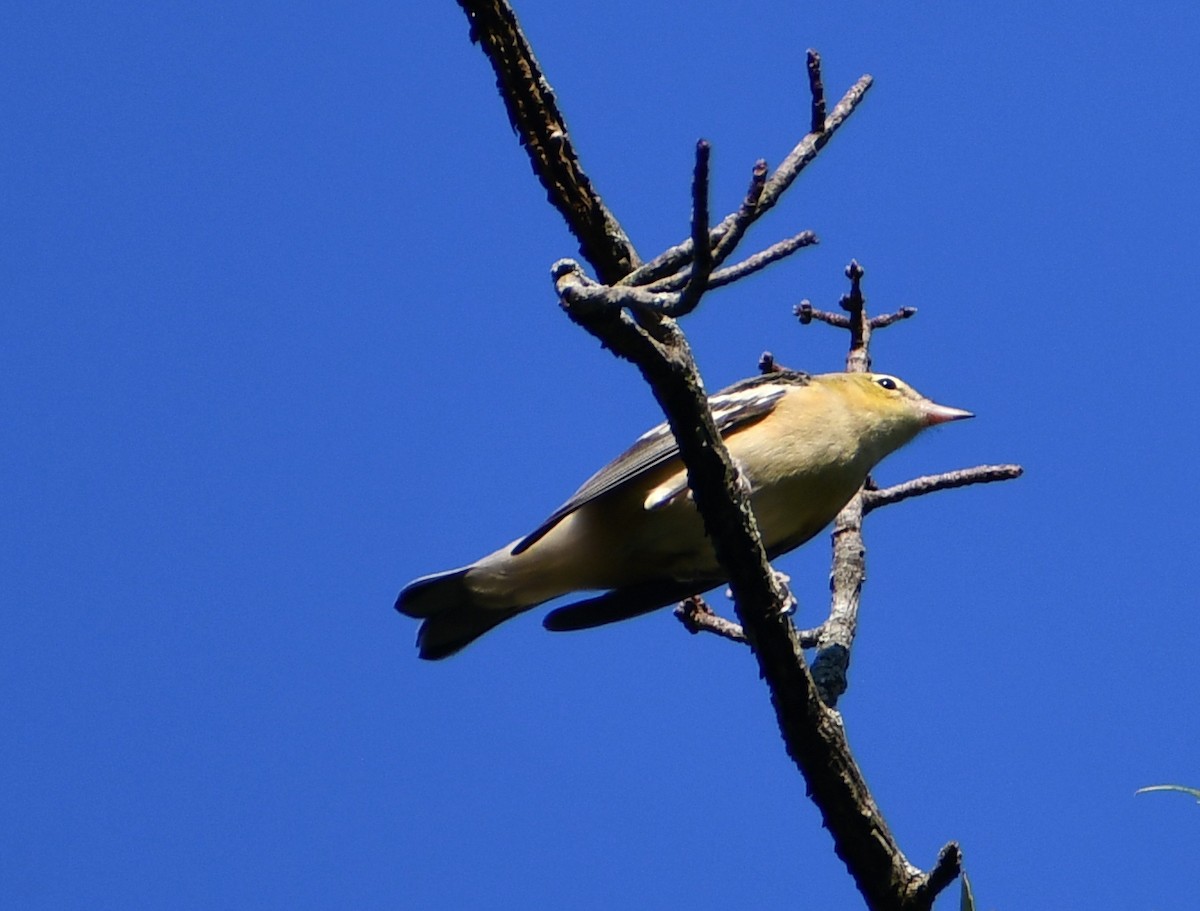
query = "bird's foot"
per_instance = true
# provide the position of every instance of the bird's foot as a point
(789, 600)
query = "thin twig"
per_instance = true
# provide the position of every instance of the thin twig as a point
(702, 260)
(768, 364)
(748, 266)
(946, 869)
(675, 258)
(881, 322)
(808, 147)
(859, 358)
(816, 89)
(670, 265)
(670, 261)
(981, 474)
(806, 313)
(761, 260)
(738, 222)
(698, 617)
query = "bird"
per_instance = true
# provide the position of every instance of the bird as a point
(803, 444)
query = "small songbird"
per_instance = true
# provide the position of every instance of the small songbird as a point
(803, 444)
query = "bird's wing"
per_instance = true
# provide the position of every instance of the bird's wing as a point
(733, 408)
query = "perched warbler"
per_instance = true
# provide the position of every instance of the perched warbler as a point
(804, 445)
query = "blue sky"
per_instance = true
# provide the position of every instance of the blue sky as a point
(278, 336)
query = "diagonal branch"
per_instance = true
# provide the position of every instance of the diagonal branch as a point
(540, 126)
(981, 474)
(748, 266)
(723, 238)
(729, 232)
(808, 147)
(759, 261)
(813, 734)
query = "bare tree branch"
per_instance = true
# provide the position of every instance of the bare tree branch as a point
(542, 130)
(741, 219)
(981, 474)
(858, 359)
(735, 224)
(748, 266)
(587, 298)
(848, 572)
(882, 322)
(812, 732)
(702, 259)
(816, 88)
(762, 259)
(846, 577)
(946, 869)
(698, 617)
(806, 313)
(808, 147)
(640, 331)
(768, 364)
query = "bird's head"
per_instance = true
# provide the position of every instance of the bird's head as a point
(888, 410)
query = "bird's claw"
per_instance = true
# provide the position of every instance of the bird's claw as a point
(790, 603)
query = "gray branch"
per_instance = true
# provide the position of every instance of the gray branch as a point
(726, 235)
(642, 333)
(755, 263)
(981, 474)
(698, 617)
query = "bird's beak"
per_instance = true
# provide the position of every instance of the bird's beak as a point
(940, 414)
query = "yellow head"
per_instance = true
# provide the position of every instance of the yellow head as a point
(887, 411)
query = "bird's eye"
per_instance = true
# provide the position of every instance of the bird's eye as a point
(886, 382)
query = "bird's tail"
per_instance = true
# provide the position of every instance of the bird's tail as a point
(453, 613)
